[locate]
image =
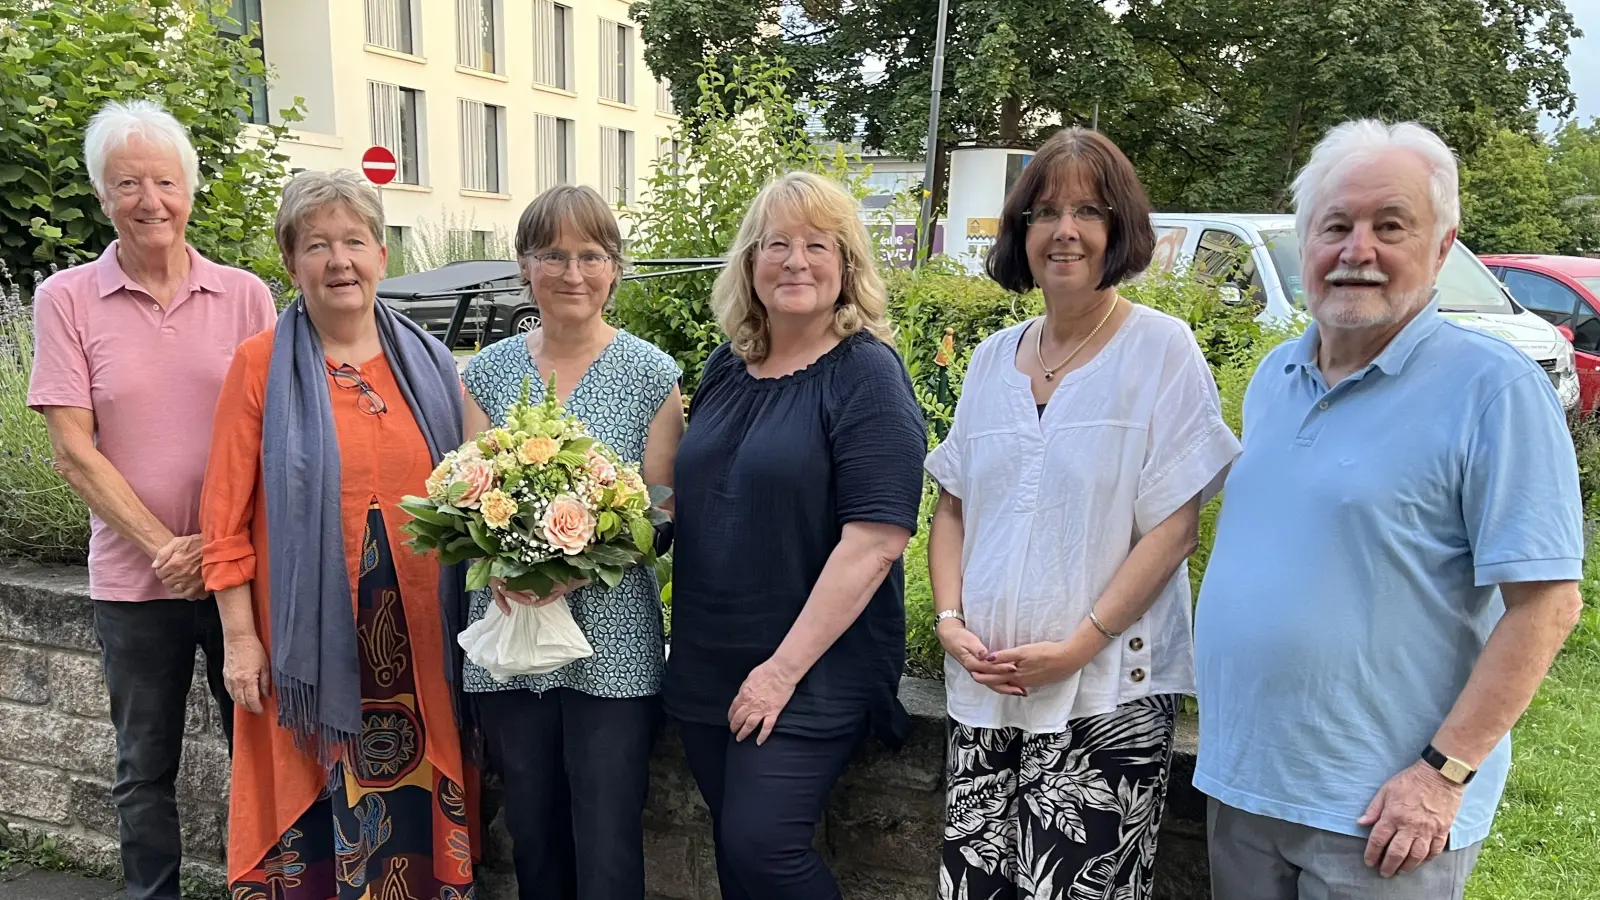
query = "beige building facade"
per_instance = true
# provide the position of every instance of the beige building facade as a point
(484, 103)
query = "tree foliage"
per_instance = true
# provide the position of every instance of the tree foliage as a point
(1218, 102)
(747, 132)
(1507, 205)
(60, 60)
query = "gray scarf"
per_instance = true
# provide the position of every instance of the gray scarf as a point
(314, 662)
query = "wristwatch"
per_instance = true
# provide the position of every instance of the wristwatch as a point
(948, 614)
(1454, 770)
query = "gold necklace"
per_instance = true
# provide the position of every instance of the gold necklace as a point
(1038, 346)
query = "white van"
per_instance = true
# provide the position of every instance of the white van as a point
(1270, 274)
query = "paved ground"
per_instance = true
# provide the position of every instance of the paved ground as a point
(25, 883)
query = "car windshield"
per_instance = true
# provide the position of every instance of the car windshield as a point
(1464, 284)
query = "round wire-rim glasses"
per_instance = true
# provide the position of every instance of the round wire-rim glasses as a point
(589, 264)
(777, 247)
(349, 377)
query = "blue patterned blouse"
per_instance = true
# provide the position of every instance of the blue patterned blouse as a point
(617, 399)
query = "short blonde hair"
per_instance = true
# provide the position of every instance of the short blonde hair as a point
(309, 193)
(825, 205)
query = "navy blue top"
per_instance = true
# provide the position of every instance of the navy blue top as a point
(768, 474)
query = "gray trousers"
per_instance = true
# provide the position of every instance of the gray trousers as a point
(1259, 858)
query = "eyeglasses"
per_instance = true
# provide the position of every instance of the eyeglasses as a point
(590, 264)
(776, 247)
(1087, 214)
(349, 378)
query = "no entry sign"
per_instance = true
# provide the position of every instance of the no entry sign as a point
(378, 165)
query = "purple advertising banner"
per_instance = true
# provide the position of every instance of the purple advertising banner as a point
(902, 241)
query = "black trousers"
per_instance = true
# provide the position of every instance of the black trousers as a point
(147, 651)
(765, 804)
(576, 772)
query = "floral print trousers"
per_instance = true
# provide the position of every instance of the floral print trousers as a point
(1070, 815)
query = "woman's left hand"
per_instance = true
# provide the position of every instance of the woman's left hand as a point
(1046, 662)
(764, 694)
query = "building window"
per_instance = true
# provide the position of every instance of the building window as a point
(477, 34)
(616, 61)
(396, 238)
(555, 151)
(396, 116)
(663, 96)
(469, 245)
(552, 44)
(616, 166)
(669, 155)
(243, 22)
(482, 147)
(389, 24)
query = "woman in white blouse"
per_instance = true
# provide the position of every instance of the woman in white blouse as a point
(1071, 481)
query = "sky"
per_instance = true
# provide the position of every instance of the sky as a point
(1583, 65)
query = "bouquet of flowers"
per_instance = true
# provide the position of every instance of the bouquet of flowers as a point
(537, 503)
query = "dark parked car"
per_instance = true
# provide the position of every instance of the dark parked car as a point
(497, 303)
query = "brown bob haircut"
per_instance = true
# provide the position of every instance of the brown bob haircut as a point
(1130, 240)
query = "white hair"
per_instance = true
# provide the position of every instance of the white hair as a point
(1362, 140)
(117, 121)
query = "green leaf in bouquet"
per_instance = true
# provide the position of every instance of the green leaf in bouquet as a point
(659, 494)
(456, 491)
(428, 511)
(611, 576)
(481, 536)
(608, 526)
(611, 555)
(579, 445)
(478, 575)
(571, 458)
(582, 562)
(455, 513)
(459, 549)
(644, 536)
(535, 582)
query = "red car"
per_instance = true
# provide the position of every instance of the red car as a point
(1564, 291)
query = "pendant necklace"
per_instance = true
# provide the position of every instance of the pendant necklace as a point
(1038, 346)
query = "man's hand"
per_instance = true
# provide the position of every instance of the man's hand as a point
(178, 566)
(1410, 819)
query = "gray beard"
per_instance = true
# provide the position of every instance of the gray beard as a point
(1348, 318)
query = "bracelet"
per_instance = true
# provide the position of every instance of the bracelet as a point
(948, 614)
(1095, 620)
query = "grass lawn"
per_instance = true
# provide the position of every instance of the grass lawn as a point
(1546, 839)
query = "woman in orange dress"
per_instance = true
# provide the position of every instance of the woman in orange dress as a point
(348, 775)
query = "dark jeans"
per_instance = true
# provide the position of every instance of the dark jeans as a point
(147, 650)
(765, 804)
(576, 771)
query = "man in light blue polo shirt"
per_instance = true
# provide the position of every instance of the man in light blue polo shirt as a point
(1396, 560)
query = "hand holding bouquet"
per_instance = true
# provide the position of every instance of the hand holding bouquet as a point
(537, 503)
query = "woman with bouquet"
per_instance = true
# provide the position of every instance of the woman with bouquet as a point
(348, 777)
(798, 487)
(573, 745)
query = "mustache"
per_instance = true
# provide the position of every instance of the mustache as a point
(1359, 275)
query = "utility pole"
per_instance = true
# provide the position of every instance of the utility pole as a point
(1094, 123)
(930, 151)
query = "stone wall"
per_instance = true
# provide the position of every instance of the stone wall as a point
(57, 749)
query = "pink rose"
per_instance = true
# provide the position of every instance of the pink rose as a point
(601, 469)
(568, 525)
(478, 475)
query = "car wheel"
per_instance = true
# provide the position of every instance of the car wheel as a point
(524, 322)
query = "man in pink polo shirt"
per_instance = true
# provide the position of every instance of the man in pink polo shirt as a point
(129, 355)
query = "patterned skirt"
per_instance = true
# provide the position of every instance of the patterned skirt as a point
(1071, 815)
(388, 826)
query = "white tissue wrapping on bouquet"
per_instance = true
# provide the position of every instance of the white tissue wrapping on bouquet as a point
(532, 640)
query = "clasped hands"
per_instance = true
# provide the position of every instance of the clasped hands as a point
(177, 564)
(1013, 671)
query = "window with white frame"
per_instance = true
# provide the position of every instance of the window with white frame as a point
(616, 61)
(669, 154)
(483, 147)
(391, 24)
(555, 152)
(663, 96)
(552, 44)
(243, 22)
(395, 238)
(478, 34)
(396, 123)
(616, 166)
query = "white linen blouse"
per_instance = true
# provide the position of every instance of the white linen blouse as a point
(1053, 504)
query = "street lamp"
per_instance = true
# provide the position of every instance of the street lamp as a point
(925, 218)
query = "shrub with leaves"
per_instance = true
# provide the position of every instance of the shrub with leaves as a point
(747, 133)
(61, 60)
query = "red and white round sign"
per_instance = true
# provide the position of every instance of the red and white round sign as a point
(378, 165)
